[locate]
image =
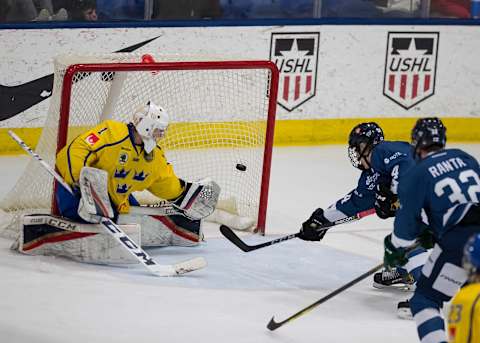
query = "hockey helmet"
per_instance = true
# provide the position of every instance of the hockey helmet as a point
(361, 141)
(471, 255)
(428, 132)
(151, 122)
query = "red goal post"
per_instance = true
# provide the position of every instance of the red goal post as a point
(222, 117)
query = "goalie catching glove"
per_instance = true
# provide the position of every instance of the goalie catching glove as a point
(311, 229)
(198, 199)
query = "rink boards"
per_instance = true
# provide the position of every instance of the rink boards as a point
(329, 74)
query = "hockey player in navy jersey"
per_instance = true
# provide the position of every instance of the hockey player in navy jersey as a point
(383, 165)
(445, 185)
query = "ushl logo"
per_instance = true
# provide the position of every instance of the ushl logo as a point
(410, 67)
(296, 57)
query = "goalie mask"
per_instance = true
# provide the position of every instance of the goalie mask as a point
(151, 122)
(361, 141)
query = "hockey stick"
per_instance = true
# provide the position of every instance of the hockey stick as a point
(273, 325)
(117, 233)
(232, 237)
(163, 208)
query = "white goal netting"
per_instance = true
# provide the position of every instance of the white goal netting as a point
(222, 116)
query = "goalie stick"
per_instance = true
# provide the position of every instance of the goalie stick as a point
(117, 233)
(232, 237)
(273, 325)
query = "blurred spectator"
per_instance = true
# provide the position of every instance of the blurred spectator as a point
(83, 10)
(450, 8)
(4, 9)
(45, 15)
(350, 9)
(44, 4)
(186, 9)
(28, 10)
(59, 4)
(21, 10)
(121, 9)
(297, 9)
(266, 9)
(399, 8)
(47, 11)
(258, 9)
(236, 9)
(248, 9)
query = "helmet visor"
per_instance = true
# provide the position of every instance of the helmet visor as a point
(356, 153)
(354, 156)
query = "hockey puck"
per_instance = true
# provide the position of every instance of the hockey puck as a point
(241, 167)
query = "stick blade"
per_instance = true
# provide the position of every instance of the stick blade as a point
(179, 268)
(232, 237)
(190, 265)
(272, 325)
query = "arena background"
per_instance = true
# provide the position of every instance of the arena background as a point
(348, 67)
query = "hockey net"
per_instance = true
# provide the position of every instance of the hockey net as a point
(222, 116)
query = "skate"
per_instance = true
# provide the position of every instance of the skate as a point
(404, 311)
(393, 279)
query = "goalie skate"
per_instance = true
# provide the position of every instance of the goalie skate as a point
(393, 279)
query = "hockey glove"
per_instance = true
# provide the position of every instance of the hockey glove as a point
(426, 238)
(386, 203)
(472, 217)
(198, 199)
(311, 229)
(393, 256)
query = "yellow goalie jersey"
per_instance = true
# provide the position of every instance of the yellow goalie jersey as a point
(464, 318)
(110, 146)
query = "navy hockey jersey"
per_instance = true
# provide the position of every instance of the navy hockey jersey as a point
(444, 184)
(389, 163)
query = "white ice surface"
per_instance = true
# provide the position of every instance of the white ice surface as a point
(48, 300)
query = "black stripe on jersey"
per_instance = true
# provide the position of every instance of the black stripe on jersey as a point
(472, 314)
(130, 133)
(131, 130)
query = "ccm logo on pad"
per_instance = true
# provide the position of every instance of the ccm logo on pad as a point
(92, 139)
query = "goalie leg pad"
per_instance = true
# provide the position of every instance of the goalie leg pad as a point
(95, 202)
(161, 231)
(55, 236)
